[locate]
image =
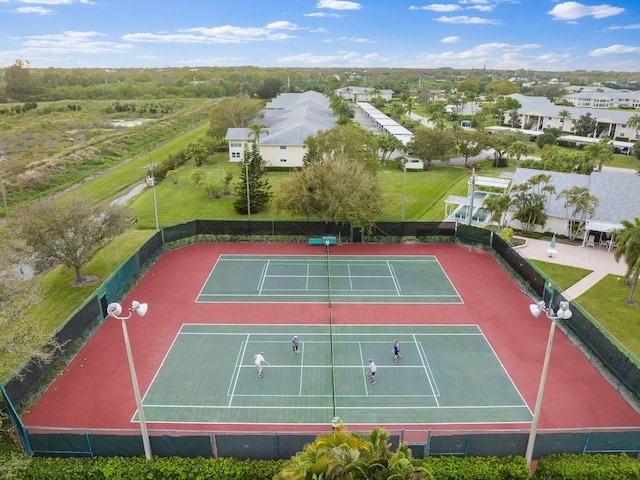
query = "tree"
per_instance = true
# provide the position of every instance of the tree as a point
(232, 112)
(256, 130)
(470, 143)
(20, 290)
(501, 143)
(336, 190)
(518, 150)
(18, 83)
(531, 201)
(312, 152)
(497, 205)
(269, 88)
(581, 206)
(259, 186)
(634, 122)
(69, 233)
(437, 112)
(197, 152)
(387, 144)
(599, 153)
(585, 126)
(350, 141)
(498, 88)
(628, 240)
(503, 105)
(564, 115)
(430, 144)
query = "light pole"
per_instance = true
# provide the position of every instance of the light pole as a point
(151, 180)
(4, 193)
(114, 310)
(563, 313)
(472, 190)
(404, 185)
(246, 161)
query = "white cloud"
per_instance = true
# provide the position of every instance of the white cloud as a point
(54, 2)
(222, 34)
(467, 20)
(613, 50)
(452, 39)
(72, 41)
(634, 26)
(569, 11)
(322, 15)
(36, 10)
(438, 7)
(338, 5)
(357, 40)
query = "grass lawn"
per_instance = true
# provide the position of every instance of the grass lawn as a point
(562, 275)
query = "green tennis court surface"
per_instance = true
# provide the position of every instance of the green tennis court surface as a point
(447, 374)
(339, 278)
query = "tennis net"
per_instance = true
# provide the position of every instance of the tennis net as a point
(333, 373)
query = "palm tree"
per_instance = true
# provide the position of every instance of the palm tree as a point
(628, 240)
(518, 150)
(563, 114)
(599, 153)
(634, 122)
(581, 205)
(257, 129)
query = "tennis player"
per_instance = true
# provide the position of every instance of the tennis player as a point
(294, 345)
(258, 360)
(396, 350)
(372, 370)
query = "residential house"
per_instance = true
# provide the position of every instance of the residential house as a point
(362, 94)
(617, 195)
(287, 121)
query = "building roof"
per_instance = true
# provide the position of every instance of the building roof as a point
(542, 106)
(616, 193)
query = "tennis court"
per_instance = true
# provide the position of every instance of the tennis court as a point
(335, 278)
(447, 374)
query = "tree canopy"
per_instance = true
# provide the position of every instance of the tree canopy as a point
(70, 232)
(232, 112)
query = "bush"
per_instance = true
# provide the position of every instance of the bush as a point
(478, 468)
(587, 467)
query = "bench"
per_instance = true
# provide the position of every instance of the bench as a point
(323, 241)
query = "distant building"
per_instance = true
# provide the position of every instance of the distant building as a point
(362, 94)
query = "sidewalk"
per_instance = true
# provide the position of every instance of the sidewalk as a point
(597, 259)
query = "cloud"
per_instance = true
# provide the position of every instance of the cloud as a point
(338, 5)
(54, 2)
(613, 50)
(36, 10)
(72, 42)
(634, 26)
(467, 20)
(357, 40)
(222, 34)
(569, 11)
(438, 7)
(452, 39)
(497, 54)
(322, 15)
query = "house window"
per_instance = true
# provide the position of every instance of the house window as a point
(283, 160)
(283, 147)
(235, 154)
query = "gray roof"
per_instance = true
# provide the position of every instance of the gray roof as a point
(618, 194)
(290, 118)
(542, 106)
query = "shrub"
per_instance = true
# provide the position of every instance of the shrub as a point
(587, 467)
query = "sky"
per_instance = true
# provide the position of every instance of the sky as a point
(548, 35)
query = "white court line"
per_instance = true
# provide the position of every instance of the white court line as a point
(364, 374)
(393, 277)
(238, 376)
(436, 390)
(301, 366)
(236, 367)
(426, 371)
(263, 276)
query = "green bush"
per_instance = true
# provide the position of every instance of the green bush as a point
(477, 468)
(121, 468)
(587, 467)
